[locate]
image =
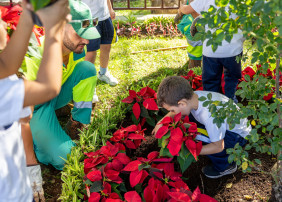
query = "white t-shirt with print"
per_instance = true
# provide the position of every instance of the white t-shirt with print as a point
(203, 116)
(14, 182)
(235, 47)
(99, 9)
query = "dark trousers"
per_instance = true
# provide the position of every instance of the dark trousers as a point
(220, 160)
(212, 73)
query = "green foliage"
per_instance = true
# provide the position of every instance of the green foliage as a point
(37, 4)
(259, 21)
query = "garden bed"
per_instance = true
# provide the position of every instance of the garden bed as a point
(134, 72)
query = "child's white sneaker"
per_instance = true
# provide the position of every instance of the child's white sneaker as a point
(108, 78)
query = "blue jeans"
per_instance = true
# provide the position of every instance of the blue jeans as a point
(212, 73)
(220, 160)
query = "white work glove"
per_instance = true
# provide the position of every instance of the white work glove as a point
(34, 173)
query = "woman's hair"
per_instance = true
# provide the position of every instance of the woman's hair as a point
(172, 89)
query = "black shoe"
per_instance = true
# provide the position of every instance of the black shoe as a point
(210, 172)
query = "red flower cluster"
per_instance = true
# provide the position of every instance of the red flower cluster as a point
(179, 130)
(131, 136)
(195, 80)
(146, 97)
(11, 15)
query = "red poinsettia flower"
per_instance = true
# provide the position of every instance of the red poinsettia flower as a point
(187, 196)
(156, 191)
(178, 131)
(146, 96)
(194, 148)
(132, 196)
(131, 136)
(248, 71)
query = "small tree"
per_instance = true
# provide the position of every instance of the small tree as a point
(260, 21)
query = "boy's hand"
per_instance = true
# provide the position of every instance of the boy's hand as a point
(157, 127)
(113, 14)
(55, 15)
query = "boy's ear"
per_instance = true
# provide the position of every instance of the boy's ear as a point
(182, 102)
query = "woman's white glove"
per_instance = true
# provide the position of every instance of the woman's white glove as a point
(34, 173)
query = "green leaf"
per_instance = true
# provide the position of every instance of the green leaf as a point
(202, 98)
(258, 161)
(209, 96)
(248, 147)
(96, 186)
(255, 137)
(165, 153)
(185, 163)
(151, 121)
(38, 4)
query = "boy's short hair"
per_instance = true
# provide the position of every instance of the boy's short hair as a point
(172, 89)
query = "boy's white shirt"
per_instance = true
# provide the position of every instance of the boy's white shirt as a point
(203, 116)
(14, 182)
(99, 8)
(235, 47)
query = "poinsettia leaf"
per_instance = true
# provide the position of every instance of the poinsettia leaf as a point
(153, 155)
(185, 162)
(199, 146)
(191, 145)
(144, 112)
(206, 198)
(131, 128)
(150, 104)
(132, 166)
(162, 160)
(134, 136)
(128, 100)
(132, 93)
(174, 147)
(143, 166)
(164, 140)
(196, 194)
(166, 120)
(193, 127)
(177, 117)
(179, 196)
(96, 186)
(161, 132)
(151, 121)
(135, 177)
(136, 110)
(132, 196)
(177, 135)
(129, 144)
(165, 152)
(94, 175)
(123, 158)
(94, 197)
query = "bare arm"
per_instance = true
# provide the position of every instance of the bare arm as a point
(212, 148)
(186, 9)
(112, 12)
(12, 56)
(49, 77)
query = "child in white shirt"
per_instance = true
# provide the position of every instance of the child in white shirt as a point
(16, 94)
